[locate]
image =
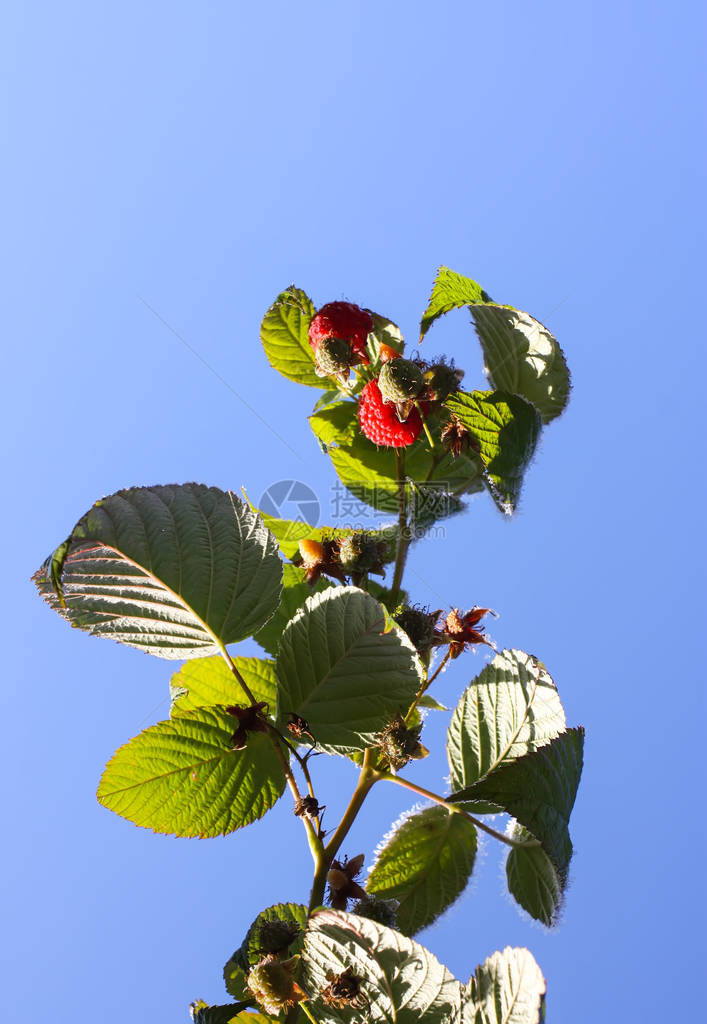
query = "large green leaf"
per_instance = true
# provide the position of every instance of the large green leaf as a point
(346, 668)
(510, 709)
(182, 778)
(539, 790)
(295, 591)
(505, 429)
(255, 944)
(521, 355)
(507, 988)
(175, 571)
(285, 338)
(203, 682)
(435, 480)
(402, 981)
(425, 864)
(533, 881)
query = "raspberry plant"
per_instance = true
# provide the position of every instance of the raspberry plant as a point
(185, 571)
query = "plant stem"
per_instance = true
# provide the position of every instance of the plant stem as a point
(425, 686)
(403, 543)
(231, 664)
(368, 777)
(456, 809)
(315, 843)
(424, 425)
(308, 1013)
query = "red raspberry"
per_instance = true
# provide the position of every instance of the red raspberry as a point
(342, 320)
(379, 421)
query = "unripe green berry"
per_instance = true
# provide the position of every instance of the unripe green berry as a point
(442, 380)
(383, 911)
(419, 624)
(333, 356)
(400, 380)
(359, 552)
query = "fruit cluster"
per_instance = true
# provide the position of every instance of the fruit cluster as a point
(398, 393)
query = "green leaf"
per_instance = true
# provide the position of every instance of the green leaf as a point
(182, 778)
(402, 980)
(450, 291)
(175, 571)
(252, 949)
(203, 682)
(384, 332)
(511, 708)
(346, 668)
(533, 881)
(508, 988)
(539, 791)
(295, 591)
(435, 479)
(233, 1013)
(505, 430)
(235, 979)
(336, 423)
(521, 355)
(285, 338)
(425, 864)
(429, 702)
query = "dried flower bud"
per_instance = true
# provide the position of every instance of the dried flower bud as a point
(342, 884)
(344, 991)
(399, 744)
(307, 807)
(462, 631)
(419, 624)
(250, 719)
(456, 438)
(298, 726)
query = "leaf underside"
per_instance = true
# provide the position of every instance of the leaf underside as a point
(175, 571)
(425, 865)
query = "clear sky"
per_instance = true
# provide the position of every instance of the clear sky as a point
(201, 157)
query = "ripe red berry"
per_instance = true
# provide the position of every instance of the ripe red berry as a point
(379, 421)
(342, 320)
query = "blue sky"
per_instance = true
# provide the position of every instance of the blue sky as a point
(203, 157)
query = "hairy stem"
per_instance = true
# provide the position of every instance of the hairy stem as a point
(368, 777)
(315, 843)
(241, 681)
(456, 809)
(403, 544)
(425, 686)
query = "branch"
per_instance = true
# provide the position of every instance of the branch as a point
(315, 843)
(456, 809)
(403, 544)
